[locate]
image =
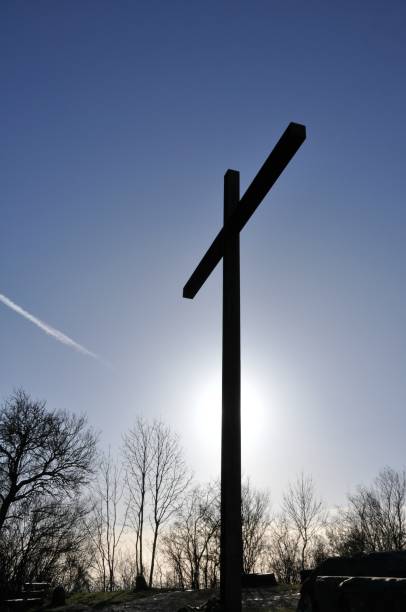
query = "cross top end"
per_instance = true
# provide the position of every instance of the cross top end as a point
(286, 147)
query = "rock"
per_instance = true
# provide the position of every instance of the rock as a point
(258, 580)
(58, 596)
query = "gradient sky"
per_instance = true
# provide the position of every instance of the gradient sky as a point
(119, 120)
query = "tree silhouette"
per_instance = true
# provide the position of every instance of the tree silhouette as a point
(42, 453)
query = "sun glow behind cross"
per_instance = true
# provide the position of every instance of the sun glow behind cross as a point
(207, 411)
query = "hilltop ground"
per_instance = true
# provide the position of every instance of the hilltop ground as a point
(281, 598)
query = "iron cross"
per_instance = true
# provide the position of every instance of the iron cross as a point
(226, 245)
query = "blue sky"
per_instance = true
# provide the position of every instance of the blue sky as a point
(119, 121)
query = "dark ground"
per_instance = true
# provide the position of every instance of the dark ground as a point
(271, 599)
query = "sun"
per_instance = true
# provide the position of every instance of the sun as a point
(207, 410)
(253, 415)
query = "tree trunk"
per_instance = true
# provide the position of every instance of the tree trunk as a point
(141, 568)
(137, 548)
(151, 573)
(303, 552)
(4, 508)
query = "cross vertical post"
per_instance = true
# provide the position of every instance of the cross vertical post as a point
(231, 535)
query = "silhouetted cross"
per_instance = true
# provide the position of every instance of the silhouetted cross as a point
(226, 245)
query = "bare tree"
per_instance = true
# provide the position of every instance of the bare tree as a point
(305, 511)
(126, 569)
(138, 456)
(255, 523)
(284, 550)
(173, 550)
(375, 518)
(42, 453)
(191, 547)
(107, 525)
(168, 479)
(46, 541)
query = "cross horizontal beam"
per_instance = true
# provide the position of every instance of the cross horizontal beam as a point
(288, 144)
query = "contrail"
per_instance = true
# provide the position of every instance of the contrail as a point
(48, 329)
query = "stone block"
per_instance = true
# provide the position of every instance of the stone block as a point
(380, 564)
(327, 593)
(373, 594)
(258, 580)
